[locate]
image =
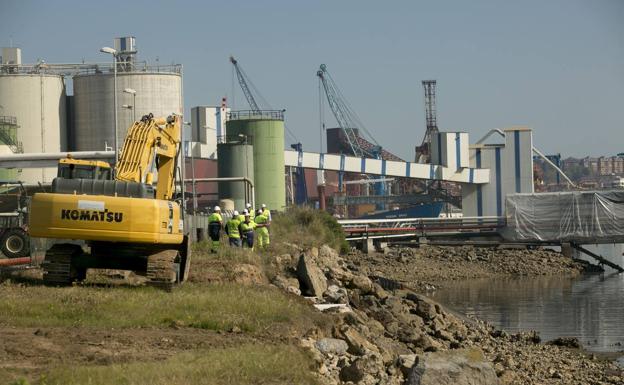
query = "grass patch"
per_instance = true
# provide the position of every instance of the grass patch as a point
(227, 253)
(247, 364)
(306, 227)
(215, 307)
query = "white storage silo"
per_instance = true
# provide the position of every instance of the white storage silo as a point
(37, 100)
(159, 93)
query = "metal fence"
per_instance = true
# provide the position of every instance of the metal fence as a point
(71, 69)
(250, 114)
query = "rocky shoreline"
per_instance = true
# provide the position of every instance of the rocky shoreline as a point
(425, 268)
(385, 332)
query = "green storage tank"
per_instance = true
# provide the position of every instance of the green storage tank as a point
(265, 131)
(235, 160)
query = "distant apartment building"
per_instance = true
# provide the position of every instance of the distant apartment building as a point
(610, 165)
(569, 163)
(590, 163)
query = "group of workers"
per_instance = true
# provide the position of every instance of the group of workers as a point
(243, 230)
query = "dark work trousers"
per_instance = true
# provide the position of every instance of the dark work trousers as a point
(249, 239)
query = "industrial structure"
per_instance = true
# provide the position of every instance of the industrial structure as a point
(264, 131)
(36, 98)
(52, 119)
(9, 145)
(431, 118)
(106, 98)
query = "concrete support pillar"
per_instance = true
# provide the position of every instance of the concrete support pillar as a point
(368, 246)
(567, 250)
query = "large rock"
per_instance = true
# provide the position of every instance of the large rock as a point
(332, 346)
(362, 283)
(358, 344)
(425, 307)
(336, 294)
(363, 369)
(453, 367)
(312, 280)
(290, 285)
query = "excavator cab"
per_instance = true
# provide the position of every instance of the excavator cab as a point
(70, 168)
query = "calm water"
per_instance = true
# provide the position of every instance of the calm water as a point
(590, 307)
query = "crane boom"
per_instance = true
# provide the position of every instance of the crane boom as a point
(345, 116)
(339, 109)
(242, 80)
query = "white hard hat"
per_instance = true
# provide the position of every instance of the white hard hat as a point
(246, 212)
(235, 213)
(217, 208)
(263, 206)
(259, 212)
(248, 205)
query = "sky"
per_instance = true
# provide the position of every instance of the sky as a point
(556, 66)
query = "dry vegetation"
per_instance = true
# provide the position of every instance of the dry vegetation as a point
(306, 228)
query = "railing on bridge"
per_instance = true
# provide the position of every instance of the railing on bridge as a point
(418, 227)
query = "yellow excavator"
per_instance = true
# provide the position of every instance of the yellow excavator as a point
(130, 222)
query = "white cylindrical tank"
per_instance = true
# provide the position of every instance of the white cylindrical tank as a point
(159, 93)
(38, 103)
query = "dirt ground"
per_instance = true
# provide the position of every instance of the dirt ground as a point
(29, 353)
(32, 350)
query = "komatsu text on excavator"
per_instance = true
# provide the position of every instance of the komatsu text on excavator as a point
(129, 222)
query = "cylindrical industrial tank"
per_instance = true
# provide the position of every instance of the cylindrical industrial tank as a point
(235, 160)
(8, 145)
(37, 101)
(159, 93)
(265, 131)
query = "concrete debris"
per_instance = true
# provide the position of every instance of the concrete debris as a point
(454, 367)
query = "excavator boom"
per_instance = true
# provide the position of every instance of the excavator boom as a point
(151, 141)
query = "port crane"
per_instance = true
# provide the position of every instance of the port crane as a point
(244, 84)
(349, 122)
(347, 118)
(423, 152)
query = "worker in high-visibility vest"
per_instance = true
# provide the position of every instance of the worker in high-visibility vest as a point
(262, 230)
(266, 212)
(231, 228)
(247, 231)
(215, 222)
(241, 216)
(252, 212)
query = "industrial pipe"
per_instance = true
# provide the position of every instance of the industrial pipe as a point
(15, 261)
(228, 179)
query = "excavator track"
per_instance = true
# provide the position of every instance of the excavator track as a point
(57, 265)
(162, 269)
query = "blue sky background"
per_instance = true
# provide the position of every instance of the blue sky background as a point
(557, 65)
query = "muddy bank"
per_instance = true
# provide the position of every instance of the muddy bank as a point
(425, 268)
(394, 335)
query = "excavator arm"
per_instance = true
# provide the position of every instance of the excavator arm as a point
(151, 143)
